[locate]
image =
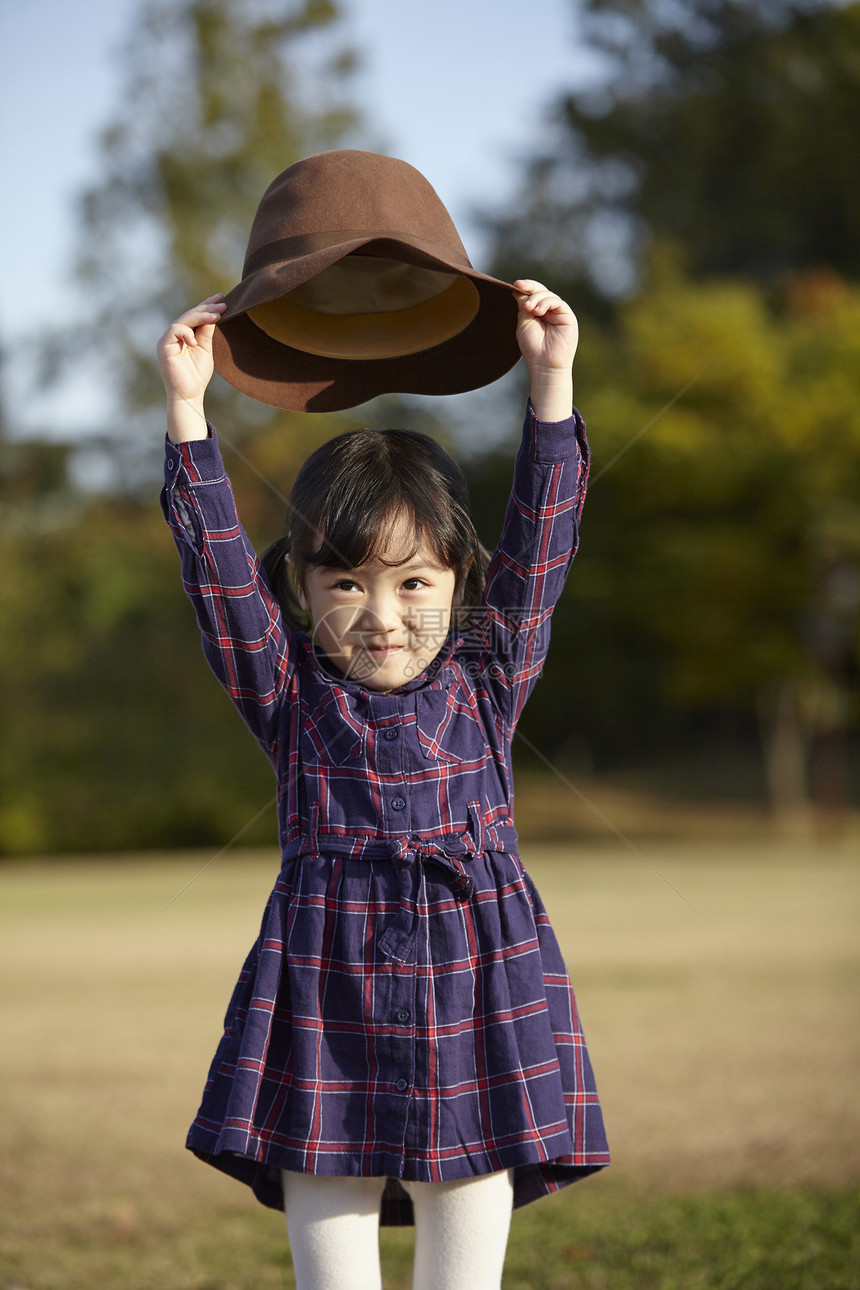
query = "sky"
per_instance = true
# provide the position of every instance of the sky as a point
(458, 88)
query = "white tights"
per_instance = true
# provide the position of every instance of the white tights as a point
(461, 1231)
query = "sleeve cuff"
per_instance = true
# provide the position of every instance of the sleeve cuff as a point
(555, 440)
(198, 460)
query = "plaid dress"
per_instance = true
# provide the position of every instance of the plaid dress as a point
(405, 1011)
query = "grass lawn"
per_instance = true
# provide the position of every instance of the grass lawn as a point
(722, 1023)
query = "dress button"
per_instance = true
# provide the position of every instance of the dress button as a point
(399, 803)
(401, 1085)
(170, 463)
(403, 1015)
(391, 733)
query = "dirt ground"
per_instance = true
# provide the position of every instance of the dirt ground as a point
(717, 987)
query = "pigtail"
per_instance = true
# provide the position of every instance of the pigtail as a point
(471, 587)
(274, 565)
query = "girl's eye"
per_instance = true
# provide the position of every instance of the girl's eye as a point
(409, 584)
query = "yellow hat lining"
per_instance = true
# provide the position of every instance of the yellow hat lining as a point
(366, 307)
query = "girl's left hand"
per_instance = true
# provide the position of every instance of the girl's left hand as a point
(547, 330)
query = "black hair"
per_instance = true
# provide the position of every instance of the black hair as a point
(350, 492)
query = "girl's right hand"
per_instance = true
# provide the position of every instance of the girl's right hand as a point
(185, 351)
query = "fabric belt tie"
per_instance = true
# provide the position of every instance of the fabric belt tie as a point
(448, 854)
(407, 854)
(400, 939)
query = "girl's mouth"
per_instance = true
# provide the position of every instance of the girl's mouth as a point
(383, 651)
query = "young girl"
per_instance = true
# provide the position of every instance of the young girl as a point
(403, 1040)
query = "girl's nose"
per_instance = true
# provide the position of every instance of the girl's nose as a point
(380, 614)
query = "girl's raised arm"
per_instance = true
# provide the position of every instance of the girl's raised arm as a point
(244, 637)
(186, 365)
(541, 529)
(547, 334)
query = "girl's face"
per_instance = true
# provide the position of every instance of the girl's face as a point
(382, 624)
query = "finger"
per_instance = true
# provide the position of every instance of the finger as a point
(536, 293)
(192, 328)
(204, 335)
(549, 305)
(542, 304)
(188, 331)
(525, 286)
(539, 292)
(207, 311)
(180, 334)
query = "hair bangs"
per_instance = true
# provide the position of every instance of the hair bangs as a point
(358, 536)
(368, 491)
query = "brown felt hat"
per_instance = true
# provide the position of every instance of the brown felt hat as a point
(355, 284)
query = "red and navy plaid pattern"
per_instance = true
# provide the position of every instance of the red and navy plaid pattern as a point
(405, 1011)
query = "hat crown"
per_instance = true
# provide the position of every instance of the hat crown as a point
(315, 323)
(346, 195)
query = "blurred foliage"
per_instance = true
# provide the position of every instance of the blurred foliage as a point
(114, 733)
(219, 97)
(721, 537)
(727, 129)
(699, 206)
(717, 591)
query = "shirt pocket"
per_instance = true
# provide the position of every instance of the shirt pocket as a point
(447, 733)
(333, 735)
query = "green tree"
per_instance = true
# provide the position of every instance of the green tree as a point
(723, 545)
(698, 204)
(725, 129)
(219, 97)
(114, 733)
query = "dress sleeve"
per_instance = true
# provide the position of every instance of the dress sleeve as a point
(509, 636)
(245, 640)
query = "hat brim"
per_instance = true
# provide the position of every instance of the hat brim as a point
(276, 374)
